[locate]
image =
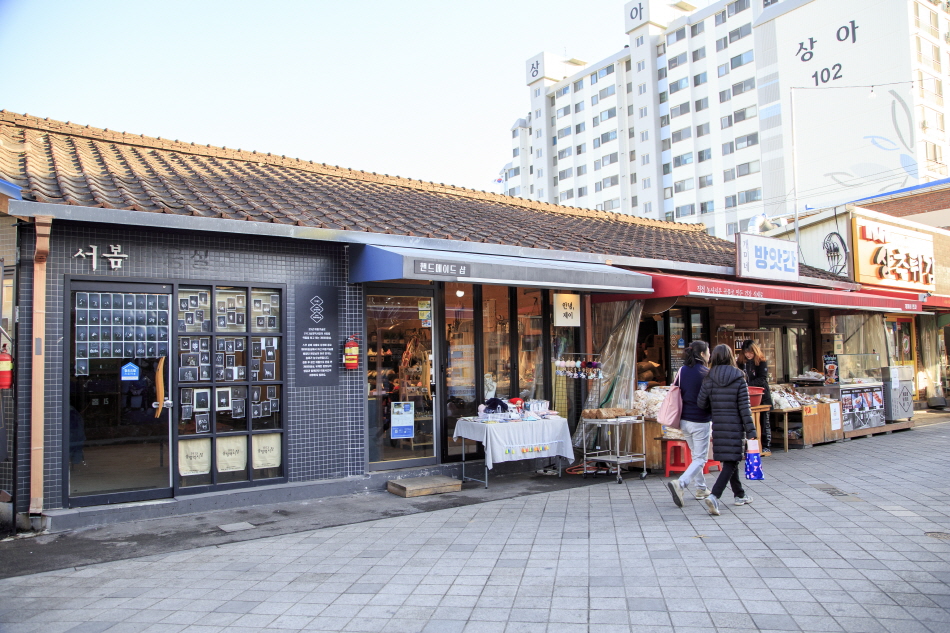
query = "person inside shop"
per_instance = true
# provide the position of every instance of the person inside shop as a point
(724, 392)
(694, 421)
(753, 362)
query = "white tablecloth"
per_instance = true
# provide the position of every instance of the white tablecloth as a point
(514, 441)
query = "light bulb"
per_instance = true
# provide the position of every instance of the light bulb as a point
(459, 293)
(872, 95)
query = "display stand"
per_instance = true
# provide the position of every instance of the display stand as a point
(609, 446)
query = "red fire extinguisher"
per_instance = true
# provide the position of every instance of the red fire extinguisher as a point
(6, 369)
(351, 353)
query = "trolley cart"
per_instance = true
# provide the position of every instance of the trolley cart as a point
(609, 441)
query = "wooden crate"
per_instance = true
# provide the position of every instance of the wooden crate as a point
(816, 425)
(420, 486)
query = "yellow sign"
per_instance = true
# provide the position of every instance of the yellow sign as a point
(886, 255)
(810, 409)
(266, 450)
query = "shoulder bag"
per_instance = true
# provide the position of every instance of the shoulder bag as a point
(672, 406)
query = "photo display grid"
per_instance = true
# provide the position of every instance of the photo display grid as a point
(122, 326)
(265, 310)
(220, 358)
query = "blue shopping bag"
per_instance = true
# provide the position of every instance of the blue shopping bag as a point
(753, 462)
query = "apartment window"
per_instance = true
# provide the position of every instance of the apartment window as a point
(741, 60)
(564, 131)
(725, 122)
(705, 181)
(664, 96)
(737, 6)
(631, 132)
(703, 155)
(730, 203)
(514, 171)
(633, 179)
(680, 84)
(665, 145)
(722, 70)
(641, 65)
(530, 169)
(597, 165)
(540, 193)
(768, 3)
(553, 120)
(643, 112)
(752, 195)
(642, 89)
(745, 169)
(646, 183)
(627, 65)
(540, 173)
(608, 114)
(661, 73)
(926, 19)
(667, 193)
(644, 135)
(514, 191)
(539, 153)
(664, 120)
(737, 34)
(629, 87)
(606, 137)
(579, 106)
(515, 152)
(567, 195)
(581, 192)
(725, 95)
(630, 110)
(606, 70)
(679, 110)
(531, 189)
(610, 159)
(679, 60)
(647, 207)
(633, 155)
(514, 133)
(676, 36)
(669, 216)
(552, 100)
(707, 207)
(933, 152)
(581, 170)
(560, 92)
(606, 183)
(732, 228)
(728, 148)
(745, 113)
(682, 135)
(728, 175)
(593, 79)
(578, 85)
(608, 92)
(747, 141)
(639, 41)
(721, 43)
(699, 53)
(685, 210)
(660, 50)
(700, 79)
(645, 159)
(595, 100)
(564, 153)
(537, 133)
(581, 148)
(697, 28)
(683, 185)
(580, 127)
(720, 18)
(702, 104)
(683, 159)
(633, 201)
(702, 130)
(610, 205)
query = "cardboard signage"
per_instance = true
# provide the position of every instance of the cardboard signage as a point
(759, 257)
(893, 256)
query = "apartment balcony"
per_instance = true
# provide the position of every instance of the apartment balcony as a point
(936, 168)
(929, 62)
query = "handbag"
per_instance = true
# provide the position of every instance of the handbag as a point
(672, 406)
(753, 461)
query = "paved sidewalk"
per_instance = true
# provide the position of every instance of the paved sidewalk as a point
(835, 541)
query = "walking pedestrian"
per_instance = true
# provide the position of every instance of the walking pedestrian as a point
(753, 362)
(725, 392)
(694, 421)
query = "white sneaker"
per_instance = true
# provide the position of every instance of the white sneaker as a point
(676, 489)
(702, 493)
(712, 504)
(741, 501)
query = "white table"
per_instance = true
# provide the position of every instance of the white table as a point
(515, 441)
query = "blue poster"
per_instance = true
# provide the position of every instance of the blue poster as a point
(402, 420)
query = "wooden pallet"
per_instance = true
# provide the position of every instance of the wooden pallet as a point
(880, 430)
(421, 486)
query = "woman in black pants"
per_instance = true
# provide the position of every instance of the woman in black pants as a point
(752, 362)
(725, 392)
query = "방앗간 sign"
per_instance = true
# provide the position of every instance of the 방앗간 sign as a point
(759, 257)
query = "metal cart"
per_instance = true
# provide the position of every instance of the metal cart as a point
(608, 442)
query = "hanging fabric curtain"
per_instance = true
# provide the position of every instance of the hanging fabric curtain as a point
(928, 376)
(615, 327)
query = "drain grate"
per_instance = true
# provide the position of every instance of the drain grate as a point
(834, 492)
(944, 536)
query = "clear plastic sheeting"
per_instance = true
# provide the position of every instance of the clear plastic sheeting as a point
(863, 334)
(615, 327)
(928, 376)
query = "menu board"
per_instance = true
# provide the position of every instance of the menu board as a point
(318, 350)
(862, 407)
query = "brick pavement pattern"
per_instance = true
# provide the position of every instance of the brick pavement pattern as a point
(601, 558)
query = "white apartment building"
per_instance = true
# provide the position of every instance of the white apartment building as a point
(744, 107)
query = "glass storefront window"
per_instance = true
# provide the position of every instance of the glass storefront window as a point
(460, 366)
(530, 341)
(194, 309)
(496, 342)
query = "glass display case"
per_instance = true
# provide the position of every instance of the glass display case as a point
(859, 389)
(857, 369)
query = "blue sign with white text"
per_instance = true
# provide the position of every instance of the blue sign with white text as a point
(130, 371)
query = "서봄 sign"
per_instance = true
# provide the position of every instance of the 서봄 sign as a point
(760, 257)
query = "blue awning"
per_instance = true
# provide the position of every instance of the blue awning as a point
(377, 263)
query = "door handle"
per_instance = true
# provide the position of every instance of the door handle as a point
(160, 387)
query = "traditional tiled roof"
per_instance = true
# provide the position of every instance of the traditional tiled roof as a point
(66, 163)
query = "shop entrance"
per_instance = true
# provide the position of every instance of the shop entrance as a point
(901, 341)
(400, 378)
(117, 428)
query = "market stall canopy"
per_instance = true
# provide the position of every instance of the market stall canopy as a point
(375, 263)
(681, 286)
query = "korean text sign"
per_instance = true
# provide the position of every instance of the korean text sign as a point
(760, 257)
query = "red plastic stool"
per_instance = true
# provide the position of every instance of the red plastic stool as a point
(681, 462)
(710, 464)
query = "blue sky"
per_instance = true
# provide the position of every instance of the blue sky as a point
(420, 88)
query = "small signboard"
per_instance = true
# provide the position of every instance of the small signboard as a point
(567, 310)
(402, 420)
(760, 257)
(130, 371)
(835, 416)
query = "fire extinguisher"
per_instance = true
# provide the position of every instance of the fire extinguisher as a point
(351, 353)
(6, 369)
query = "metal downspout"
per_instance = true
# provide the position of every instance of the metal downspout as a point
(43, 226)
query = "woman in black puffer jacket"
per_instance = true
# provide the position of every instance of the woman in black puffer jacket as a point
(724, 391)
(752, 361)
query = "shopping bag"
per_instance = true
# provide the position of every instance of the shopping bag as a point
(672, 406)
(753, 461)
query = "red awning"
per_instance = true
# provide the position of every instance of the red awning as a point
(679, 286)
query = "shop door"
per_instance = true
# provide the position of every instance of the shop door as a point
(117, 425)
(400, 378)
(900, 341)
